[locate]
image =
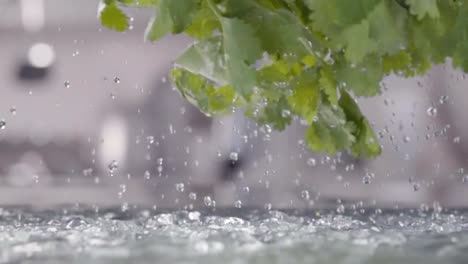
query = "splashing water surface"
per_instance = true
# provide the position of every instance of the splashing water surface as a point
(232, 236)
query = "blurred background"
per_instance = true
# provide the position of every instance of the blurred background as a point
(87, 116)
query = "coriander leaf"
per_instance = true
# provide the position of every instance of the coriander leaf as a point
(113, 18)
(242, 49)
(357, 42)
(172, 16)
(421, 8)
(275, 113)
(202, 93)
(204, 23)
(305, 97)
(278, 30)
(329, 85)
(205, 58)
(139, 3)
(363, 79)
(366, 144)
(330, 132)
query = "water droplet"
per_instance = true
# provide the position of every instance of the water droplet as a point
(465, 178)
(113, 166)
(268, 206)
(88, 172)
(234, 156)
(238, 204)
(340, 209)
(305, 195)
(147, 175)
(311, 162)
(180, 187)
(416, 186)
(406, 139)
(207, 201)
(285, 113)
(76, 222)
(443, 99)
(67, 84)
(366, 179)
(13, 110)
(431, 111)
(112, 96)
(192, 196)
(116, 79)
(150, 140)
(456, 140)
(2, 124)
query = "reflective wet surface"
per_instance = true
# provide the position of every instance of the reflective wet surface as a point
(87, 235)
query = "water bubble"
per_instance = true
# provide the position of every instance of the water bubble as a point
(238, 204)
(2, 124)
(180, 187)
(67, 84)
(305, 195)
(431, 111)
(311, 162)
(117, 80)
(192, 196)
(234, 156)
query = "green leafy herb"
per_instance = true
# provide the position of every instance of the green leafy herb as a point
(282, 60)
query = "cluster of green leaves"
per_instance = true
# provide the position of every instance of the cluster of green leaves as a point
(283, 60)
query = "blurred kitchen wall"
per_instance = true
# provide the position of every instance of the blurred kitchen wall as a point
(90, 117)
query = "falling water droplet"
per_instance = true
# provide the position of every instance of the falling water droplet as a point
(147, 175)
(305, 195)
(443, 99)
(366, 179)
(207, 201)
(431, 111)
(238, 204)
(88, 172)
(456, 140)
(180, 187)
(13, 110)
(192, 196)
(113, 166)
(406, 139)
(67, 84)
(2, 124)
(234, 156)
(116, 79)
(311, 162)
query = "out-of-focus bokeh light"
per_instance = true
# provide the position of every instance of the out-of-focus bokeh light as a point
(41, 55)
